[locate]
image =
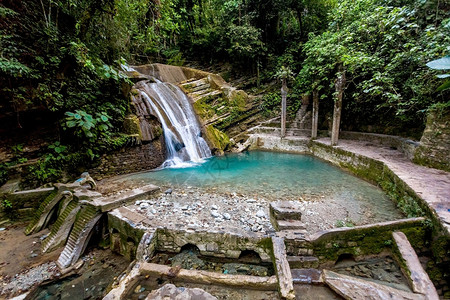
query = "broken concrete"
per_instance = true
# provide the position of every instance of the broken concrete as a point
(282, 268)
(419, 280)
(204, 277)
(352, 288)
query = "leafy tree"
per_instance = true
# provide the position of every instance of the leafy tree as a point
(383, 47)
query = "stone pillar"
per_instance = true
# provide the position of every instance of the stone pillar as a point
(340, 86)
(315, 114)
(284, 91)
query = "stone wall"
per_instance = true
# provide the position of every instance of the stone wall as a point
(434, 149)
(131, 159)
(210, 243)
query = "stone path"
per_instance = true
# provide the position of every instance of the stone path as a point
(431, 185)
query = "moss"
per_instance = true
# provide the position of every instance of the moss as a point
(203, 110)
(131, 126)
(218, 139)
(366, 241)
(238, 100)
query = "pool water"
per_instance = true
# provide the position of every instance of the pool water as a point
(277, 176)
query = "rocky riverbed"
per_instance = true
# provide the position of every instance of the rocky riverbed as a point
(190, 207)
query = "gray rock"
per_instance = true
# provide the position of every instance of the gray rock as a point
(215, 214)
(168, 192)
(214, 207)
(226, 216)
(260, 214)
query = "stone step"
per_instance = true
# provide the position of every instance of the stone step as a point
(301, 262)
(190, 86)
(285, 210)
(38, 214)
(61, 228)
(207, 96)
(298, 132)
(78, 238)
(290, 225)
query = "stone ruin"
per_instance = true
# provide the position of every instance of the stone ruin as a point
(297, 257)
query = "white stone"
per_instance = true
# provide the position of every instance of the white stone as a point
(215, 214)
(260, 214)
(226, 216)
(144, 205)
(214, 207)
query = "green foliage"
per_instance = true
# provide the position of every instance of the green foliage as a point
(441, 64)
(269, 102)
(383, 46)
(3, 173)
(345, 223)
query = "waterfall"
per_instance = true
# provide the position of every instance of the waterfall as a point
(181, 128)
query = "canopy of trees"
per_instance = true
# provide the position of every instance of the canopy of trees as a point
(63, 57)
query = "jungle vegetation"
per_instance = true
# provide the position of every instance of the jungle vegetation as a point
(60, 59)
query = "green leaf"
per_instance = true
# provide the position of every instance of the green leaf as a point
(71, 124)
(77, 116)
(444, 86)
(440, 64)
(104, 118)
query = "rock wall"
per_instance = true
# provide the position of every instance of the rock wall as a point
(434, 149)
(131, 159)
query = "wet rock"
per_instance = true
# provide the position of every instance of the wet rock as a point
(188, 260)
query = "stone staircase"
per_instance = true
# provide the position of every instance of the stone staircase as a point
(79, 236)
(41, 214)
(61, 227)
(200, 90)
(286, 219)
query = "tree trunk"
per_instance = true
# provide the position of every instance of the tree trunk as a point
(339, 85)
(315, 114)
(283, 108)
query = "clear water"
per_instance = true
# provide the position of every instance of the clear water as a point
(277, 176)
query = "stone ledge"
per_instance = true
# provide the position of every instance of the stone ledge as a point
(351, 287)
(419, 280)
(205, 277)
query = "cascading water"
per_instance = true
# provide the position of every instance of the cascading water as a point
(181, 129)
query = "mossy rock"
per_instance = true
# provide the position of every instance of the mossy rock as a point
(218, 140)
(131, 125)
(203, 110)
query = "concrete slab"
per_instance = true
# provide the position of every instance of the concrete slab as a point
(354, 288)
(282, 269)
(110, 203)
(205, 277)
(420, 282)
